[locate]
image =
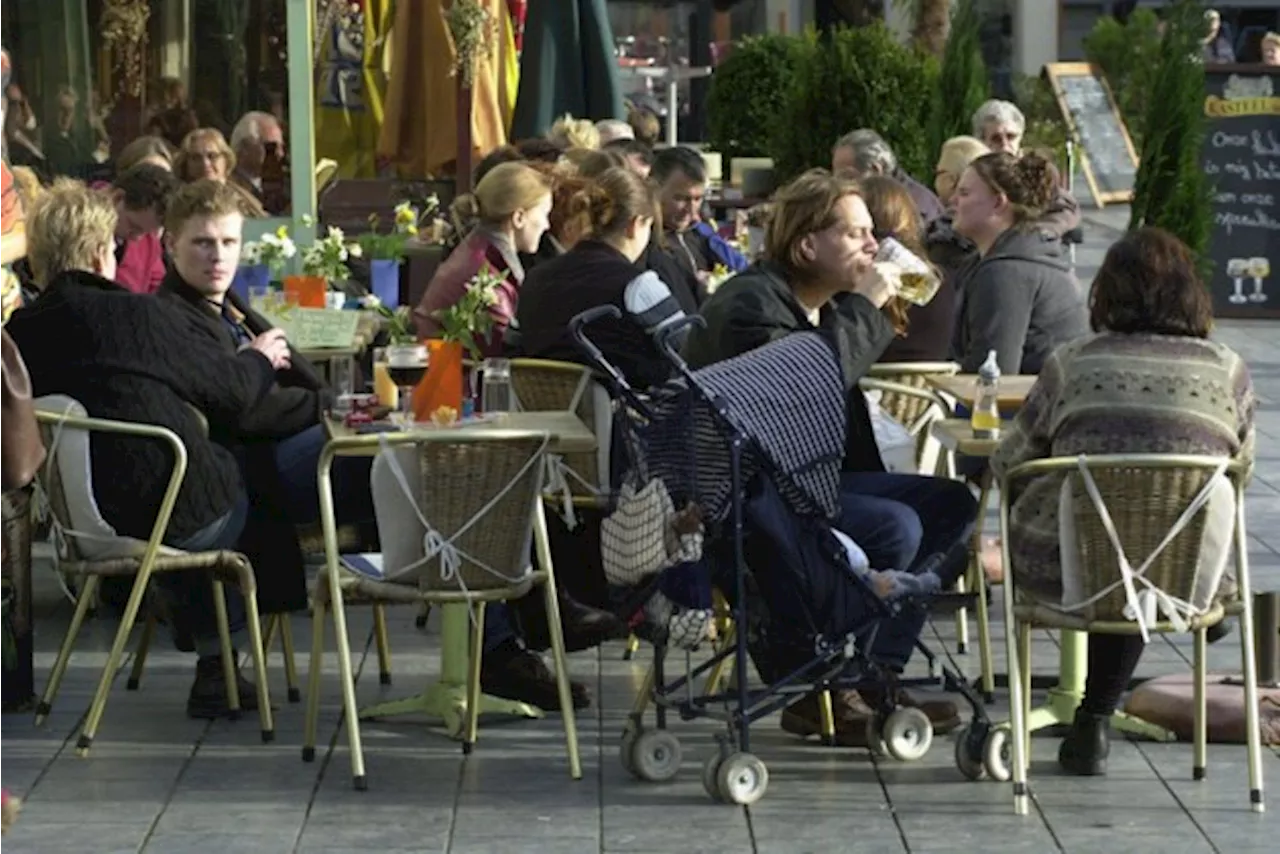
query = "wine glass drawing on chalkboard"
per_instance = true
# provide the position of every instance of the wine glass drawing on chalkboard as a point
(1237, 269)
(1259, 269)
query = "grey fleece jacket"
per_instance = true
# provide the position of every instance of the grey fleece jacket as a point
(1021, 300)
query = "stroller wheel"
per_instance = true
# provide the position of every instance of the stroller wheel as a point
(996, 755)
(969, 758)
(655, 756)
(907, 734)
(711, 776)
(742, 779)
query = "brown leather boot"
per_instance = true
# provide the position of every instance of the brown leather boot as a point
(943, 714)
(803, 717)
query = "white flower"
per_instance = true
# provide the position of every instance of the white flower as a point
(355, 250)
(288, 249)
(335, 235)
(371, 301)
(307, 221)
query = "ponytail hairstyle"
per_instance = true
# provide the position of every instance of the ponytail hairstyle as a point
(615, 198)
(1029, 182)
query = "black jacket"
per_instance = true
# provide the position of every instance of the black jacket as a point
(757, 306)
(1021, 300)
(589, 275)
(133, 358)
(297, 398)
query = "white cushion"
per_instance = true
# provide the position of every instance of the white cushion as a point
(93, 536)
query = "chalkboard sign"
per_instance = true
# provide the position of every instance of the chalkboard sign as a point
(1241, 156)
(1109, 161)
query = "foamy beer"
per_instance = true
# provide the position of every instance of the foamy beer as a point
(1259, 269)
(919, 282)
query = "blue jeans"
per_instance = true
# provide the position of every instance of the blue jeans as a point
(910, 522)
(297, 458)
(189, 594)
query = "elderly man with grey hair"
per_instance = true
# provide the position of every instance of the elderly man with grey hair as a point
(864, 152)
(253, 137)
(1001, 125)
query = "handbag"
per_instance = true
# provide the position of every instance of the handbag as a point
(23, 450)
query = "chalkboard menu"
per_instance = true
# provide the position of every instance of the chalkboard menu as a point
(1241, 156)
(1109, 161)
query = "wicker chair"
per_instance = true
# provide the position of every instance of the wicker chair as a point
(542, 385)
(1145, 495)
(914, 407)
(92, 550)
(483, 503)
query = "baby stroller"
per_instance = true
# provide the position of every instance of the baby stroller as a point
(752, 449)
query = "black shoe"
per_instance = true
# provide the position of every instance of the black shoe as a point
(514, 673)
(584, 627)
(208, 697)
(1088, 743)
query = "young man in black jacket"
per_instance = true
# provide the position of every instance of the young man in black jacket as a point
(128, 357)
(818, 274)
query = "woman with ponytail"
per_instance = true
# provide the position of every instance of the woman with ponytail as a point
(1021, 298)
(619, 209)
(510, 208)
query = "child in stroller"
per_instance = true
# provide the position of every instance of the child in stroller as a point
(758, 456)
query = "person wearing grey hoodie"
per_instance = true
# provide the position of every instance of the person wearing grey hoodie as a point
(1021, 298)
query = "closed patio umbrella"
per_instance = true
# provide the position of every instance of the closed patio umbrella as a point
(567, 66)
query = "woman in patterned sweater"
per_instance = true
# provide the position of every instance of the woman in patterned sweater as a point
(1148, 381)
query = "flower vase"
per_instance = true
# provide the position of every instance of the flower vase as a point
(250, 277)
(442, 386)
(312, 291)
(384, 281)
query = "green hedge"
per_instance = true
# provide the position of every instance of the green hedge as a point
(1129, 56)
(747, 94)
(850, 79)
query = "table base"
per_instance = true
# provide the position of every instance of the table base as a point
(449, 703)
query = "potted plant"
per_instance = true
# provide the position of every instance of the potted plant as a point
(463, 326)
(386, 251)
(324, 262)
(263, 261)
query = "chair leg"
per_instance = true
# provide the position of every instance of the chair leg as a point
(724, 667)
(383, 643)
(258, 652)
(290, 662)
(1248, 661)
(1024, 657)
(986, 657)
(140, 654)
(542, 541)
(472, 724)
(351, 713)
(64, 652)
(1017, 703)
(99, 704)
(633, 644)
(1200, 723)
(228, 654)
(312, 712)
(962, 617)
(269, 630)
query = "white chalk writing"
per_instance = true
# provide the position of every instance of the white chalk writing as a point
(1259, 219)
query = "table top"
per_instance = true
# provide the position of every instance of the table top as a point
(1014, 388)
(956, 435)
(568, 432)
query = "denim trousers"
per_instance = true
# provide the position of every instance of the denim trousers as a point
(910, 522)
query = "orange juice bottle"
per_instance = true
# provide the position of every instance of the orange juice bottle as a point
(985, 417)
(386, 390)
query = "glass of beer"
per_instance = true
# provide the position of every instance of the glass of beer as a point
(919, 281)
(383, 386)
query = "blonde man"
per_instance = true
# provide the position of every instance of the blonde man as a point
(1271, 49)
(129, 357)
(569, 132)
(956, 154)
(818, 275)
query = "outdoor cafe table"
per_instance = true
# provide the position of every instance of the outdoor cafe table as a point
(446, 698)
(1013, 389)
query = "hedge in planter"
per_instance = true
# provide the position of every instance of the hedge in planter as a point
(1171, 189)
(850, 79)
(747, 94)
(962, 80)
(1129, 56)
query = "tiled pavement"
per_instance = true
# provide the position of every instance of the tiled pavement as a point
(159, 782)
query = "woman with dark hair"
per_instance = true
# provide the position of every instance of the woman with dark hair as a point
(923, 331)
(1148, 381)
(1020, 298)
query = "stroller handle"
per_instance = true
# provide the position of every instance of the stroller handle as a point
(597, 358)
(671, 337)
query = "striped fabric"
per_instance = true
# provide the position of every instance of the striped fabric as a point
(787, 397)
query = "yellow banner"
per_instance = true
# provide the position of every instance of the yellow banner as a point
(1223, 108)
